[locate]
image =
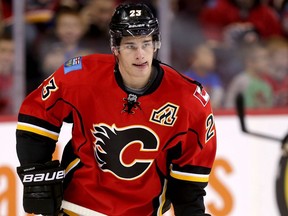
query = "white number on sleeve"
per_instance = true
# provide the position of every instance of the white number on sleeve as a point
(209, 128)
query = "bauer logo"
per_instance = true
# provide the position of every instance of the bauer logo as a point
(44, 177)
(73, 64)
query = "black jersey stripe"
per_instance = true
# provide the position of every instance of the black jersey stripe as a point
(192, 169)
(32, 120)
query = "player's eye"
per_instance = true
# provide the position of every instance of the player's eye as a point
(130, 46)
(148, 45)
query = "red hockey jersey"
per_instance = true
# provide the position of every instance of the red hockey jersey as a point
(129, 154)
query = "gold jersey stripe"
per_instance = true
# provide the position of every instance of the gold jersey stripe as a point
(72, 165)
(37, 130)
(286, 184)
(70, 213)
(162, 199)
(189, 176)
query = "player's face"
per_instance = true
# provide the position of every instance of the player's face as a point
(135, 56)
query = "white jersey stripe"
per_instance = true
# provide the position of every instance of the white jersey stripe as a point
(82, 211)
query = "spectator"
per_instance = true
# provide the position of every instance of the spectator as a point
(202, 70)
(277, 5)
(97, 14)
(281, 8)
(229, 52)
(257, 92)
(37, 11)
(284, 17)
(1, 20)
(38, 15)
(278, 76)
(185, 31)
(73, 4)
(6, 73)
(220, 14)
(6, 12)
(69, 29)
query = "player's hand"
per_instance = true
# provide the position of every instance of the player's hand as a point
(43, 190)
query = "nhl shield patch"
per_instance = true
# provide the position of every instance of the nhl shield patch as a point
(73, 64)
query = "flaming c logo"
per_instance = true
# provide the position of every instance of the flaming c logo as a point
(126, 152)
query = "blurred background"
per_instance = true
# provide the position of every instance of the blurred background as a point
(230, 46)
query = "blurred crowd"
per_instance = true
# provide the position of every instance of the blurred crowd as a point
(230, 46)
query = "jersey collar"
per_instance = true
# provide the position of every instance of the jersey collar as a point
(152, 87)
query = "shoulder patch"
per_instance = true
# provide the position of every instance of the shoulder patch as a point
(73, 64)
(201, 95)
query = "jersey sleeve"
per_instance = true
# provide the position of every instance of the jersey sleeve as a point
(192, 158)
(40, 119)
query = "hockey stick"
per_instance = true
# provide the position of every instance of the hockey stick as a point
(241, 114)
(281, 182)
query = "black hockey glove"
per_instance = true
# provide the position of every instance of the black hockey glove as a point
(43, 191)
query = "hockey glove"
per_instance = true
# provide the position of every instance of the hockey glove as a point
(43, 191)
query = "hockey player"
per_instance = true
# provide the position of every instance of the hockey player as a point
(143, 135)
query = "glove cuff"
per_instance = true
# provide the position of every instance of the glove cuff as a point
(41, 174)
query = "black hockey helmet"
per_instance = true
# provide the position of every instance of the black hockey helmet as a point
(133, 20)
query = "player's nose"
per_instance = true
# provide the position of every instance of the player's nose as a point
(139, 52)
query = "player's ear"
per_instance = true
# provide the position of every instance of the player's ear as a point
(115, 51)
